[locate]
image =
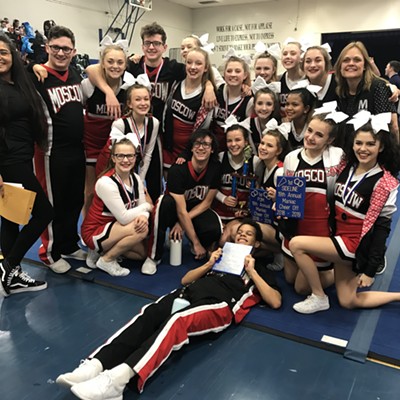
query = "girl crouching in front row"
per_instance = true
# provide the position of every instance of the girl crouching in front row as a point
(117, 221)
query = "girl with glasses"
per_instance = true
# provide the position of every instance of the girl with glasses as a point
(117, 221)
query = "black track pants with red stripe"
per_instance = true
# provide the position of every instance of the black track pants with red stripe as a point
(62, 176)
(149, 338)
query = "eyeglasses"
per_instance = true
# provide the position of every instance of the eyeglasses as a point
(4, 52)
(206, 145)
(120, 156)
(156, 44)
(55, 49)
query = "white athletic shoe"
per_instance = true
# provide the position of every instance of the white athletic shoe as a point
(60, 267)
(112, 267)
(92, 258)
(102, 387)
(76, 255)
(88, 369)
(312, 304)
(149, 266)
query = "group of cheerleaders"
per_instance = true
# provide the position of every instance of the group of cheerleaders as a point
(272, 127)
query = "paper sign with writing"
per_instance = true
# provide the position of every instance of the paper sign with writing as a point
(290, 195)
(232, 260)
(260, 206)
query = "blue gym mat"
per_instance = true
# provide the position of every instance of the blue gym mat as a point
(357, 334)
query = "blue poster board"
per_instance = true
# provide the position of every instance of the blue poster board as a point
(260, 206)
(290, 195)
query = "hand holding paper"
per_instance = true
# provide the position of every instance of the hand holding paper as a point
(233, 258)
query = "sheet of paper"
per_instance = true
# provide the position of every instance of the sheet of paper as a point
(232, 261)
(17, 204)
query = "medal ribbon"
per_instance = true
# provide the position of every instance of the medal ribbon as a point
(345, 197)
(131, 197)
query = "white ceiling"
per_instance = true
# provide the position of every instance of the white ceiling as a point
(196, 3)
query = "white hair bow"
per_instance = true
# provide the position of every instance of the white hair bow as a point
(259, 83)
(232, 120)
(116, 136)
(303, 43)
(208, 47)
(329, 108)
(283, 129)
(141, 79)
(232, 53)
(290, 40)
(379, 122)
(275, 50)
(305, 84)
(325, 46)
(107, 41)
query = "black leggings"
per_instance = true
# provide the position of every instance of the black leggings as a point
(15, 242)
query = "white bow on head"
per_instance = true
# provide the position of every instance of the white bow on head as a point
(141, 79)
(283, 129)
(259, 83)
(116, 136)
(232, 120)
(305, 84)
(275, 50)
(208, 47)
(232, 53)
(379, 122)
(325, 46)
(107, 41)
(329, 108)
(290, 40)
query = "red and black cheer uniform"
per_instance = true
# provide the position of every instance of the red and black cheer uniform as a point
(61, 170)
(183, 180)
(181, 119)
(130, 202)
(255, 133)
(268, 179)
(286, 87)
(242, 187)
(97, 123)
(161, 78)
(320, 175)
(240, 108)
(364, 205)
(147, 137)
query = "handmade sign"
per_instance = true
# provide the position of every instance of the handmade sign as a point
(260, 206)
(290, 195)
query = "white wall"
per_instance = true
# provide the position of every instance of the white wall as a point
(313, 18)
(86, 17)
